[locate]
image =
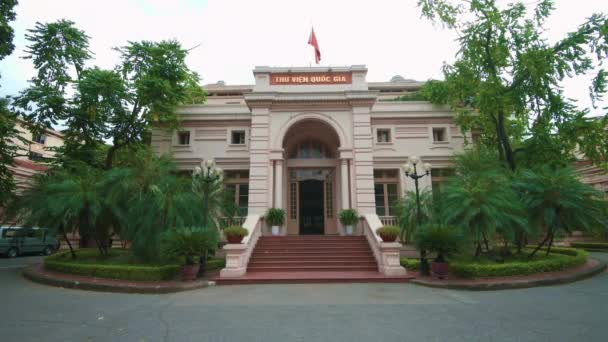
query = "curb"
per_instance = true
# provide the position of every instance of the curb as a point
(34, 274)
(521, 283)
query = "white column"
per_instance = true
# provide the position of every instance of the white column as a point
(278, 184)
(344, 183)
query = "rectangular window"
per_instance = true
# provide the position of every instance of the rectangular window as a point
(386, 190)
(243, 200)
(35, 156)
(183, 138)
(237, 183)
(439, 134)
(379, 192)
(383, 135)
(40, 138)
(238, 138)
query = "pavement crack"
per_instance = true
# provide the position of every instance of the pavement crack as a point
(161, 318)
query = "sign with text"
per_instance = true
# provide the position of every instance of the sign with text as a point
(306, 78)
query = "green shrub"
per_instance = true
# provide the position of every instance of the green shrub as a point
(62, 262)
(215, 264)
(349, 217)
(275, 216)
(236, 231)
(411, 264)
(590, 245)
(388, 232)
(561, 258)
(188, 243)
(441, 239)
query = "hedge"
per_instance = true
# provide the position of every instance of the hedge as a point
(590, 245)
(563, 258)
(215, 264)
(567, 258)
(60, 263)
(410, 263)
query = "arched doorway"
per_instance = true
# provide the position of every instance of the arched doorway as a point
(311, 150)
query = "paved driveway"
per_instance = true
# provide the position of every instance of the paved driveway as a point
(333, 312)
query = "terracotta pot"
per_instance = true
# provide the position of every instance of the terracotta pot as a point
(440, 269)
(388, 238)
(189, 272)
(234, 238)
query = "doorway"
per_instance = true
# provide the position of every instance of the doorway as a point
(311, 207)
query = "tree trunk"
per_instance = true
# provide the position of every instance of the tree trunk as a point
(504, 141)
(540, 245)
(485, 241)
(550, 244)
(478, 250)
(65, 236)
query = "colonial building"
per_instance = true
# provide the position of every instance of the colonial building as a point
(37, 148)
(314, 141)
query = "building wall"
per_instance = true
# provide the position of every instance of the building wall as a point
(353, 111)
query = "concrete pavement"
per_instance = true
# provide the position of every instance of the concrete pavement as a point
(317, 312)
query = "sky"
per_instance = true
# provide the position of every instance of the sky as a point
(231, 37)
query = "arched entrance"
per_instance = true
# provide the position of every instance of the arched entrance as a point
(311, 152)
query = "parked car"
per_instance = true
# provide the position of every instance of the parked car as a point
(15, 241)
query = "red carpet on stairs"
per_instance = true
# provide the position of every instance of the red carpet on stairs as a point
(312, 259)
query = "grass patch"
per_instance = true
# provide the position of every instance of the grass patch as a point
(485, 267)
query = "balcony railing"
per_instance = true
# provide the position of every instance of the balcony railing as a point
(388, 220)
(232, 221)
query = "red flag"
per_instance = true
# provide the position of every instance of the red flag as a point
(313, 41)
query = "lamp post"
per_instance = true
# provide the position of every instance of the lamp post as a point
(204, 177)
(412, 172)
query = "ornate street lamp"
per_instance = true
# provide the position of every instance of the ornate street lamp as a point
(411, 171)
(204, 177)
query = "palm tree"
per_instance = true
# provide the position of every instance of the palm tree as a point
(407, 212)
(149, 198)
(557, 201)
(67, 201)
(480, 199)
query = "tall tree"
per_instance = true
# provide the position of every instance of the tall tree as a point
(507, 78)
(8, 132)
(117, 105)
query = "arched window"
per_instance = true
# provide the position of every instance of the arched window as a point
(310, 149)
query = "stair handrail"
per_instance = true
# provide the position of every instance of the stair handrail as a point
(238, 254)
(387, 254)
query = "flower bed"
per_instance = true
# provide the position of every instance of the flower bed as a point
(117, 265)
(559, 259)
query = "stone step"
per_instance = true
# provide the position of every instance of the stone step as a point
(316, 268)
(312, 245)
(323, 248)
(311, 257)
(277, 254)
(306, 262)
(312, 277)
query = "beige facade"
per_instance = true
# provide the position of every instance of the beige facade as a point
(38, 147)
(299, 141)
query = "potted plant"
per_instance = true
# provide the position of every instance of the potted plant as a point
(188, 244)
(235, 234)
(443, 240)
(275, 217)
(388, 233)
(348, 218)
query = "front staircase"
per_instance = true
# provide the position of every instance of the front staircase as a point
(312, 259)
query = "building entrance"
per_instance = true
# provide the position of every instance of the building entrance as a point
(311, 207)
